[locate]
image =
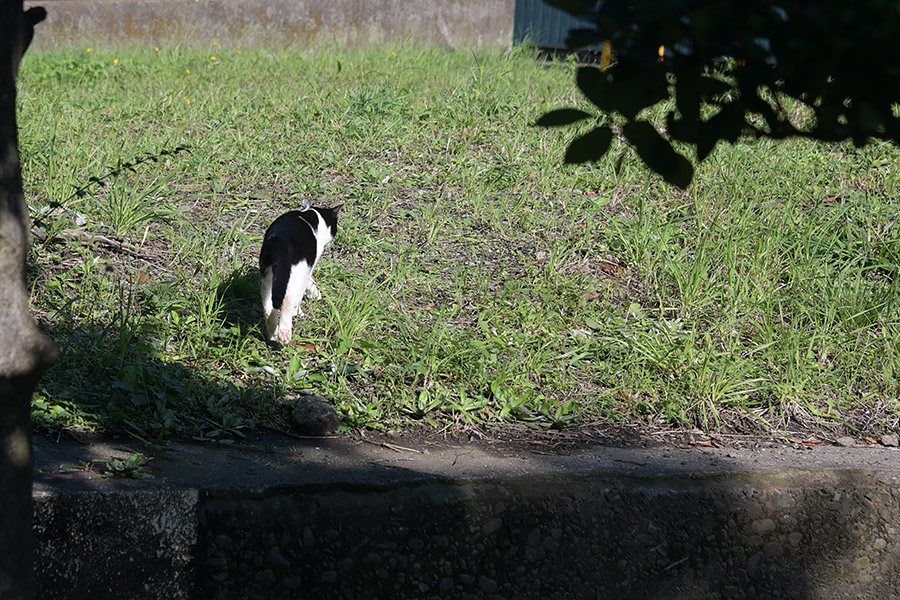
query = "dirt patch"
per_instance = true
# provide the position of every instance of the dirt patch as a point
(520, 440)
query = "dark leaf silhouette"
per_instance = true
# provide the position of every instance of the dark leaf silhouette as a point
(656, 152)
(563, 116)
(726, 125)
(589, 147)
(754, 66)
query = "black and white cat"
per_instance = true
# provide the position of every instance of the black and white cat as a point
(291, 247)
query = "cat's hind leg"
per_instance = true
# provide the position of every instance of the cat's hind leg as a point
(269, 311)
(297, 286)
(283, 333)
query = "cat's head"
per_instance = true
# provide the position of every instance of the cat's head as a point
(330, 215)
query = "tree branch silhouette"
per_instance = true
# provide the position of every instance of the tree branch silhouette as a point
(721, 70)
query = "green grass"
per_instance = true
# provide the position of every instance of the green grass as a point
(474, 279)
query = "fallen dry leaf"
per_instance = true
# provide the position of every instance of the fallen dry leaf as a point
(138, 278)
(426, 307)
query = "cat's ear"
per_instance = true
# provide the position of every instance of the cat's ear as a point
(337, 209)
(306, 204)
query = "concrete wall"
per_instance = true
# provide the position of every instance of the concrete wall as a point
(805, 535)
(298, 23)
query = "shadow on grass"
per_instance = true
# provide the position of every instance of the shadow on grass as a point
(125, 377)
(239, 299)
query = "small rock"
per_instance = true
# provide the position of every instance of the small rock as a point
(487, 585)
(345, 564)
(492, 526)
(266, 578)
(313, 415)
(224, 542)
(762, 526)
(219, 578)
(441, 541)
(890, 440)
(773, 550)
(309, 540)
(846, 441)
(274, 557)
(446, 584)
(328, 577)
(753, 564)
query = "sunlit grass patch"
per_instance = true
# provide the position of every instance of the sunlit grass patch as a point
(474, 279)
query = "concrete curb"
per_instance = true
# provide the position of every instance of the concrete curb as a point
(343, 519)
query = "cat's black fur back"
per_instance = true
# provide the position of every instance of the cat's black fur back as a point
(290, 240)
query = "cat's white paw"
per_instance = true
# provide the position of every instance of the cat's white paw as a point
(313, 291)
(283, 336)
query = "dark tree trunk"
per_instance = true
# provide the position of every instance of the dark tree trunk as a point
(25, 353)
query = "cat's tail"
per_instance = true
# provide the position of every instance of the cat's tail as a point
(276, 265)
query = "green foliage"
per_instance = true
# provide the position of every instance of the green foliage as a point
(782, 69)
(131, 467)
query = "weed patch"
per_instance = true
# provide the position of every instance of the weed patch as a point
(474, 279)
